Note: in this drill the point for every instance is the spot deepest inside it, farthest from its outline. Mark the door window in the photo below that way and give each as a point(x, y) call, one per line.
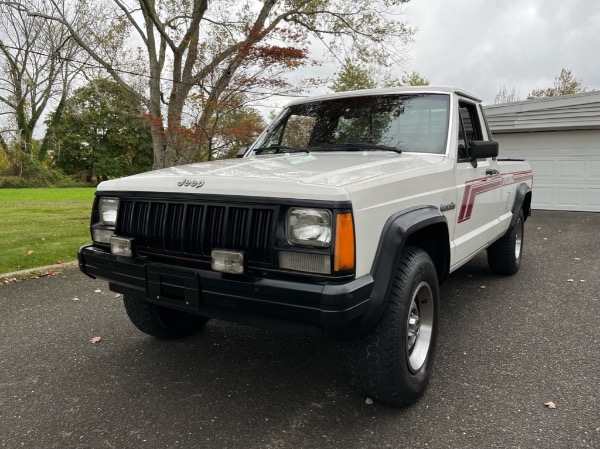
point(469, 129)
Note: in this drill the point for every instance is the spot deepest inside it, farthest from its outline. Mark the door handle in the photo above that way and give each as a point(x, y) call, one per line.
point(491, 171)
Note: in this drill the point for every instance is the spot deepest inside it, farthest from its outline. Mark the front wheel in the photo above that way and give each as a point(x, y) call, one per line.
point(392, 363)
point(162, 322)
point(504, 255)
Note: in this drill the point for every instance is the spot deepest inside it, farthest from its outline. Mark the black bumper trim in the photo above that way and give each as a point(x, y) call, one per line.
point(309, 308)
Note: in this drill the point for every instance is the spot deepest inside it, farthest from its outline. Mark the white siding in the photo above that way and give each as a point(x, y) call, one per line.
point(560, 137)
point(566, 166)
point(579, 111)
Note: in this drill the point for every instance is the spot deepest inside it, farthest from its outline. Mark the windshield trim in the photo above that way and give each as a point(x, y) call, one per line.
point(449, 127)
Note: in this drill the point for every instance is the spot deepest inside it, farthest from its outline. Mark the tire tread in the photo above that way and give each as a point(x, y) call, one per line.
point(147, 318)
point(501, 254)
point(375, 362)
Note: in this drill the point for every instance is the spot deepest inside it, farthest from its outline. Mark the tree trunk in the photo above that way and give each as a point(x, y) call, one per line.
point(157, 130)
point(158, 147)
point(56, 120)
point(26, 139)
point(3, 144)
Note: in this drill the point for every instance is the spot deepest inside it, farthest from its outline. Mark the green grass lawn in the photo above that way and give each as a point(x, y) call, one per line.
point(53, 223)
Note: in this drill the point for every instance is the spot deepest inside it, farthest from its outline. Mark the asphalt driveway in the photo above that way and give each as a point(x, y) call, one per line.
point(507, 346)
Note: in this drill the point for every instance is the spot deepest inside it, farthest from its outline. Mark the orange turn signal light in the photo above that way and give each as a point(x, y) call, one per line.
point(344, 243)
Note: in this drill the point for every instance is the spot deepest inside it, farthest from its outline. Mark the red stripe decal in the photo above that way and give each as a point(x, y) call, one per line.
point(478, 186)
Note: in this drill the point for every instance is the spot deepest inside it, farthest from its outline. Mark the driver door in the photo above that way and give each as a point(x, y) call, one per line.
point(478, 186)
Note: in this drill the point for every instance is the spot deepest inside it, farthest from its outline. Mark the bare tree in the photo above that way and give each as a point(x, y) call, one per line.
point(36, 69)
point(200, 40)
point(504, 96)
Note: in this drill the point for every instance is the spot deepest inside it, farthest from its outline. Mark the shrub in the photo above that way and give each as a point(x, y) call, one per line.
point(13, 182)
point(4, 163)
point(70, 182)
point(17, 182)
point(20, 170)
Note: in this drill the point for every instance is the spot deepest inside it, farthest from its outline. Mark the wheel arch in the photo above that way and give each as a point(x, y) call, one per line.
point(424, 227)
point(522, 201)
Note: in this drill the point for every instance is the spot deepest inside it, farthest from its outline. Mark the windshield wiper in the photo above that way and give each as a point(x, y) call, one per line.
point(276, 149)
point(355, 146)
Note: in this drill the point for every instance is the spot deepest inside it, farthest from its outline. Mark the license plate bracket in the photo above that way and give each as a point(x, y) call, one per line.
point(176, 287)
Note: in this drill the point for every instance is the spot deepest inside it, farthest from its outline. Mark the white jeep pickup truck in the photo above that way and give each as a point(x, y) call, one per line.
point(341, 221)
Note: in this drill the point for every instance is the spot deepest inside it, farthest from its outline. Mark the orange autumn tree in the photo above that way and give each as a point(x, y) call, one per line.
point(227, 121)
point(232, 126)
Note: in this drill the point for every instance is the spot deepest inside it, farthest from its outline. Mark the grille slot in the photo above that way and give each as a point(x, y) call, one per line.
point(194, 229)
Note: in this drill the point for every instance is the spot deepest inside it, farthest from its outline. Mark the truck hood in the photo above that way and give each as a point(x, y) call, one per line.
point(311, 174)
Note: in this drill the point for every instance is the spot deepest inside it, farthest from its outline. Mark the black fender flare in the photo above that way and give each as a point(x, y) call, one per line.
point(520, 197)
point(396, 231)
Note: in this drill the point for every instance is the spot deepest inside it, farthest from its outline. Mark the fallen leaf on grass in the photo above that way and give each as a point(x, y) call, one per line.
point(369, 401)
point(58, 262)
point(30, 252)
point(97, 291)
point(551, 405)
point(96, 340)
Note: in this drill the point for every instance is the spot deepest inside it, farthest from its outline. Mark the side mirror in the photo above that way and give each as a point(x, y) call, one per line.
point(482, 149)
point(242, 151)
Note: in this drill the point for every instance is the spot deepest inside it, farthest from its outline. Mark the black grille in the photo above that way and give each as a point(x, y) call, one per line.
point(194, 229)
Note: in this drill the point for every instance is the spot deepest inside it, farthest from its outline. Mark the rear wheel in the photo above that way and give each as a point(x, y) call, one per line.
point(393, 362)
point(162, 322)
point(504, 255)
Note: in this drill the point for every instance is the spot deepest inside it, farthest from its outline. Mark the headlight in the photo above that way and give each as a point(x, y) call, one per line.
point(309, 227)
point(107, 208)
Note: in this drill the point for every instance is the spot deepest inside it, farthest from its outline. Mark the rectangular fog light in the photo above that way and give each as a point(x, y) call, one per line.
point(102, 235)
point(121, 246)
point(227, 261)
point(311, 263)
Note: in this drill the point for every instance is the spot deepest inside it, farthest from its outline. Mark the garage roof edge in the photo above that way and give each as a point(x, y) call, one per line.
point(565, 112)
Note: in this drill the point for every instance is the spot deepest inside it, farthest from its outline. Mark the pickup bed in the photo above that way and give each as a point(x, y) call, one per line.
point(341, 221)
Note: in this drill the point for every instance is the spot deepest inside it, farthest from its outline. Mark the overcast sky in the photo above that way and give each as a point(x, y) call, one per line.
point(480, 45)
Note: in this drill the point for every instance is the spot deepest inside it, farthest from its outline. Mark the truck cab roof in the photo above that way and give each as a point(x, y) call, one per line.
point(389, 91)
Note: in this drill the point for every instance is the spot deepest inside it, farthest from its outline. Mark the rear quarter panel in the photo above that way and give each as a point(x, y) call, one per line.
point(513, 174)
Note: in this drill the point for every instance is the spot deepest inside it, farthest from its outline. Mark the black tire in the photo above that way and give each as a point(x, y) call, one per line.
point(382, 363)
point(162, 322)
point(504, 255)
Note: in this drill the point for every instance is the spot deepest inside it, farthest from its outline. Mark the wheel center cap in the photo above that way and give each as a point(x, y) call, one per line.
point(414, 325)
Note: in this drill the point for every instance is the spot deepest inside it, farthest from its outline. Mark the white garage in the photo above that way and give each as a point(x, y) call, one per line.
point(560, 136)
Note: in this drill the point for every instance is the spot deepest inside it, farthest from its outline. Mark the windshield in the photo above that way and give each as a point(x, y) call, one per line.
point(413, 123)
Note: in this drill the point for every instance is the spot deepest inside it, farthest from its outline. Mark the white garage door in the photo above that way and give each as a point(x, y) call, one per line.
point(566, 167)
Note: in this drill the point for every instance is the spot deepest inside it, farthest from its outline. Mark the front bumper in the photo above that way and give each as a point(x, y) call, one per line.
point(329, 309)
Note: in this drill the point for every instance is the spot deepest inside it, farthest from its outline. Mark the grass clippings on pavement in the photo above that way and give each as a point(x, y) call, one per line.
point(42, 226)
